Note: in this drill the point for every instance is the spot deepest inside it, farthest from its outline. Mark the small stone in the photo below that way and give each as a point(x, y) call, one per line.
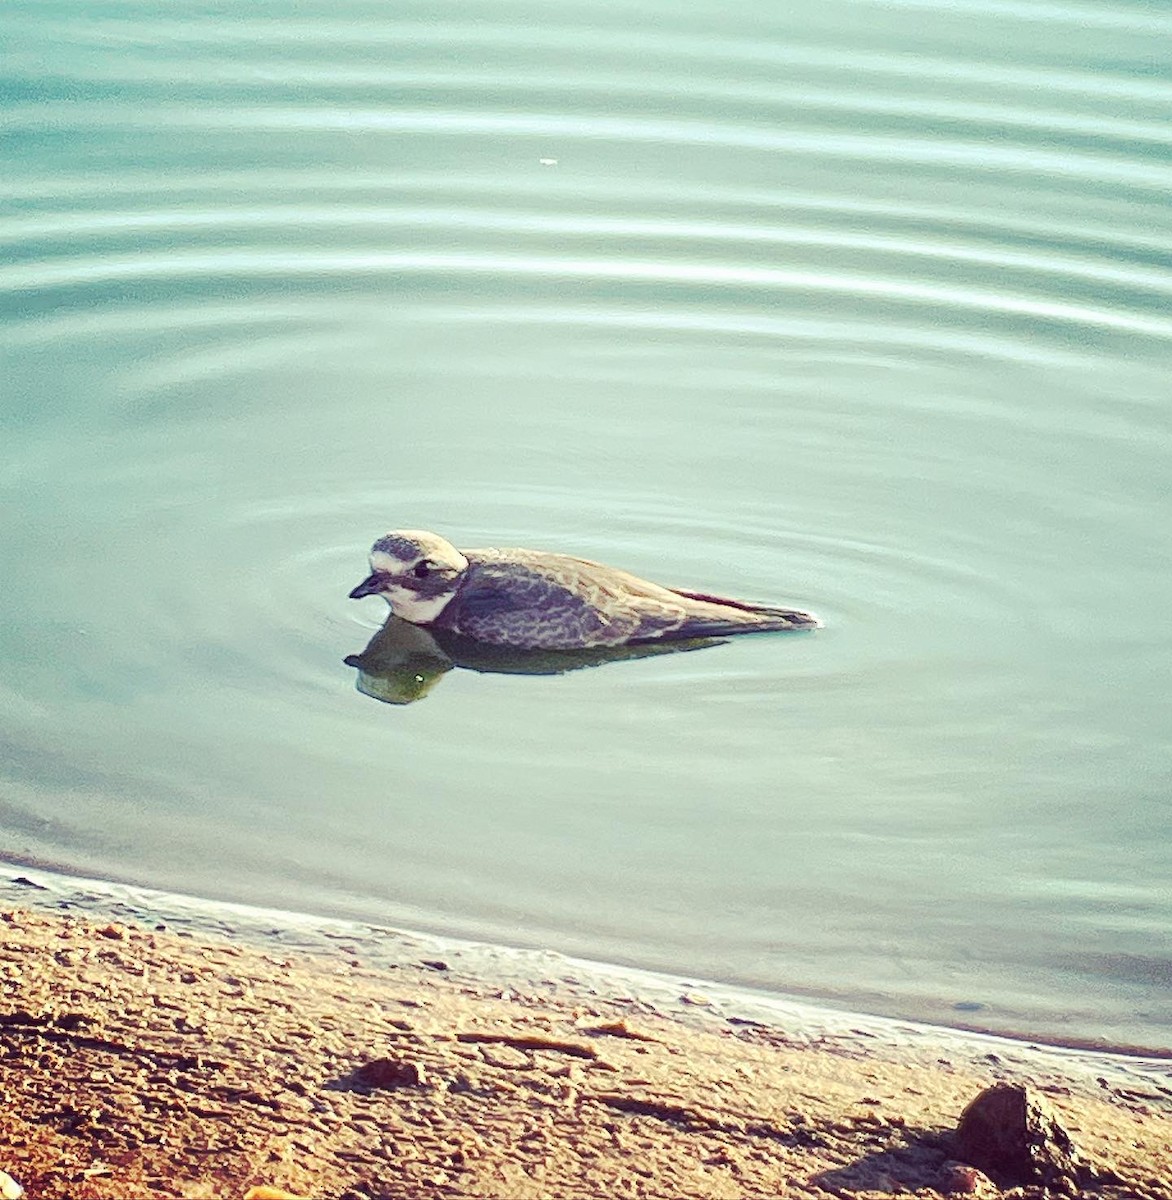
point(434, 964)
point(264, 1192)
point(9, 1188)
point(392, 1073)
point(1012, 1135)
point(114, 932)
point(959, 1179)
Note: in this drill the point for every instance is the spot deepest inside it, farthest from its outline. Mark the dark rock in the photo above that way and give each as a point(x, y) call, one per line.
point(72, 1020)
point(1012, 1135)
point(25, 881)
point(434, 964)
point(391, 1073)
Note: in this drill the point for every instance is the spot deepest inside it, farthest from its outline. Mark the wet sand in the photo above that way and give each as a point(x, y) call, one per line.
point(144, 1060)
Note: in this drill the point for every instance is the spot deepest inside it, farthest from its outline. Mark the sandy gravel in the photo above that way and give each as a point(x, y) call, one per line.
point(141, 1062)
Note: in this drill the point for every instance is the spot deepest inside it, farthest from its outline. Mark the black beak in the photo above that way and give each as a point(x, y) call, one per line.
point(372, 585)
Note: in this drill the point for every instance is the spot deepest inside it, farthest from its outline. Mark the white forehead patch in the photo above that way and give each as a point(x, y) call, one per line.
point(384, 563)
point(426, 545)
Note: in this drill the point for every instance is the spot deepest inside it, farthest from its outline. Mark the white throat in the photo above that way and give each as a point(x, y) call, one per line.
point(419, 610)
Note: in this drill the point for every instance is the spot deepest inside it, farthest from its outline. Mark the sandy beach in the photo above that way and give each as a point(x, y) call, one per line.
point(143, 1060)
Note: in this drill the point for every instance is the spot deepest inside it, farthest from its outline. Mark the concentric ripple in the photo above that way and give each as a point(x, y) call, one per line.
point(864, 308)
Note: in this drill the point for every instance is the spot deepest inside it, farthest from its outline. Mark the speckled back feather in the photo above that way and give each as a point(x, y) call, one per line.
point(531, 599)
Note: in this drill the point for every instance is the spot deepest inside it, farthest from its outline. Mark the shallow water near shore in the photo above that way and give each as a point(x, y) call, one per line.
point(864, 311)
point(1130, 1071)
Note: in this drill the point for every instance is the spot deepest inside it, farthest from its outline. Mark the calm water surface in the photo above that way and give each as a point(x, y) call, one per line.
point(863, 308)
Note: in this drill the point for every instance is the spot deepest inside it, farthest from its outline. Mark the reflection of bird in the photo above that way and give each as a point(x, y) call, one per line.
point(533, 600)
point(403, 662)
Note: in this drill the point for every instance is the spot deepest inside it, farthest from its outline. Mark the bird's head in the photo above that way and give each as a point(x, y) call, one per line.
point(415, 572)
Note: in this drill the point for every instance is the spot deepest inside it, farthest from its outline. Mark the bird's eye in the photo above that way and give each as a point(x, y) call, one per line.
point(423, 569)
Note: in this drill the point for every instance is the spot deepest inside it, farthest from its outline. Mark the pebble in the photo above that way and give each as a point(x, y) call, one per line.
point(959, 1179)
point(9, 1188)
point(392, 1073)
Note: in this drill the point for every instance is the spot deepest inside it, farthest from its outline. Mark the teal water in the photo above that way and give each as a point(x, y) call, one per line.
point(863, 309)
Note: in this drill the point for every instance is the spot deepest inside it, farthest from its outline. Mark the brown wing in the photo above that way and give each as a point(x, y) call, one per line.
point(552, 601)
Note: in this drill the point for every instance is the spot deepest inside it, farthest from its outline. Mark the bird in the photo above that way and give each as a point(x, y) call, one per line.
point(535, 600)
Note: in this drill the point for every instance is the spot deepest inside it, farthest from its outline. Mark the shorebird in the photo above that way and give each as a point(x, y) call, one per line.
point(533, 600)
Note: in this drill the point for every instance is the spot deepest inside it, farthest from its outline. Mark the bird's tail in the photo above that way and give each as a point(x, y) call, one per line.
point(721, 616)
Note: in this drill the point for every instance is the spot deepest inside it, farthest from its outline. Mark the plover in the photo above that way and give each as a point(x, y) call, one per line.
point(539, 601)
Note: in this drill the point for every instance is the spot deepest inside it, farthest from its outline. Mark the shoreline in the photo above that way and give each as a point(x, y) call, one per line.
point(160, 1046)
point(27, 882)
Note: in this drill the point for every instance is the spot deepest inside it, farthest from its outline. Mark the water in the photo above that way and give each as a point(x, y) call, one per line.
point(863, 309)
